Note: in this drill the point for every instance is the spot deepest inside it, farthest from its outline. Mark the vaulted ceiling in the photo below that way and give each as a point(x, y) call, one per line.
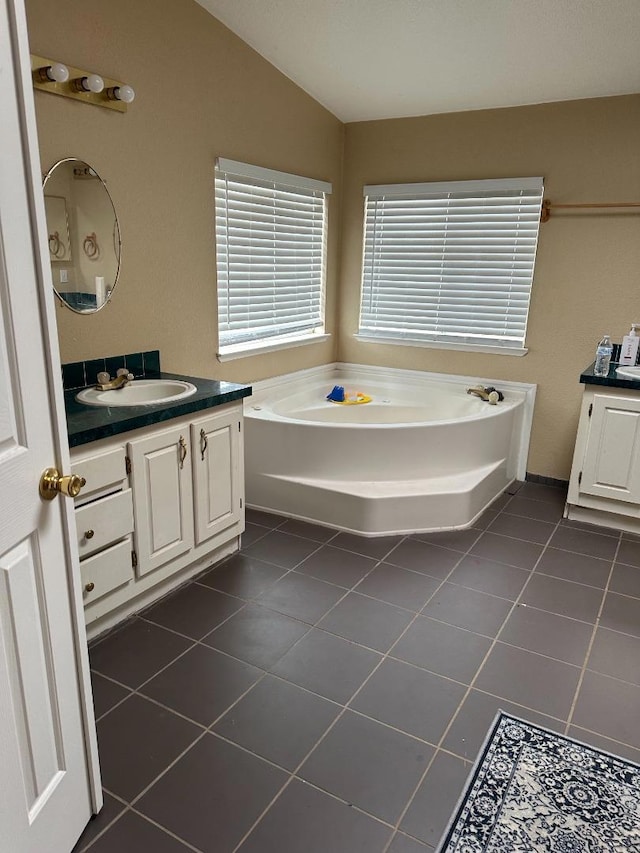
point(373, 59)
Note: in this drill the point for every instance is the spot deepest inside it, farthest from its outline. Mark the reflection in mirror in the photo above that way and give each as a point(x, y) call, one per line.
point(84, 236)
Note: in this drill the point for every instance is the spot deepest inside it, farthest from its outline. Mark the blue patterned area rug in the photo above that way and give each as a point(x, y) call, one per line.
point(534, 791)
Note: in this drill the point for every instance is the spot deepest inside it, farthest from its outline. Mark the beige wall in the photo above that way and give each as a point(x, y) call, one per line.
point(587, 278)
point(200, 93)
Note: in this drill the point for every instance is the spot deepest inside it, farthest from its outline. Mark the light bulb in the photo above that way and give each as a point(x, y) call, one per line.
point(91, 83)
point(121, 93)
point(125, 94)
point(54, 73)
point(57, 72)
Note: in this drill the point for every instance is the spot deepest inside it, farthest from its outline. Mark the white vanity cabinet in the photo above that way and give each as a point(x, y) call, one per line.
point(605, 477)
point(161, 503)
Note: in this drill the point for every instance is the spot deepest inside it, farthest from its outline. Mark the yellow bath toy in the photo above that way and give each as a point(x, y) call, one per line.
point(353, 400)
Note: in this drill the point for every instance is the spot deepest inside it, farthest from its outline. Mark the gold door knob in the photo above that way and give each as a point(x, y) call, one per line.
point(89, 534)
point(53, 482)
point(90, 587)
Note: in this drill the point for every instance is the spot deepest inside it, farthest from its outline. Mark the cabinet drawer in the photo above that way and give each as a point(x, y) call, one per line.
point(106, 571)
point(101, 471)
point(106, 520)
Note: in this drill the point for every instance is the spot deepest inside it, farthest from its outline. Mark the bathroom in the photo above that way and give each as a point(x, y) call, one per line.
point(201, 92)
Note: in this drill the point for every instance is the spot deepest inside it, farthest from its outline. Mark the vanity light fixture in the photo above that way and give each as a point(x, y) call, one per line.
point(58, 79)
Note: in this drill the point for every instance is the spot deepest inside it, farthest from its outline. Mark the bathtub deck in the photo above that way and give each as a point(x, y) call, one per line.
point(383, 507)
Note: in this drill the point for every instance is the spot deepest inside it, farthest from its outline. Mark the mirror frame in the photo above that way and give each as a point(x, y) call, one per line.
point(117, 241)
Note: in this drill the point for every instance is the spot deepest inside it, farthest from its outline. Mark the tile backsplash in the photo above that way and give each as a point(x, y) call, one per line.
point(79, 374)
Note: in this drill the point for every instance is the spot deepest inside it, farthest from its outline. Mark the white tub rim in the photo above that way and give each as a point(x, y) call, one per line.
point(333, 372)
point(275, 410)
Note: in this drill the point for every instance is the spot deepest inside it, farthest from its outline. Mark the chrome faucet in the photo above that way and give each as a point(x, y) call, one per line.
point(489, 395)
point(106, 383)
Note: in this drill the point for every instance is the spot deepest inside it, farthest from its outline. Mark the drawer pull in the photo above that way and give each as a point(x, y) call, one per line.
point(89, 534)
point(90, 587)
point(183, 451)
point(204, 443)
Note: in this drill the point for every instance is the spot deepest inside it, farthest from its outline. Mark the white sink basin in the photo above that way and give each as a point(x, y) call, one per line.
point(628, 372)
point(140, 392)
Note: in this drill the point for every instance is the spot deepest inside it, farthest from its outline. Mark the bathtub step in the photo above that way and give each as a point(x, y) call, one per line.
point(382, 507)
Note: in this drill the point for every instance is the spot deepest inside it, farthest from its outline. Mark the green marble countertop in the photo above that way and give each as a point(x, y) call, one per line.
point(611, 380)
point(90, 423)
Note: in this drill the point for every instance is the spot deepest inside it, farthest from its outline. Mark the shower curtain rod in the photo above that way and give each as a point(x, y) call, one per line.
point(548, 206)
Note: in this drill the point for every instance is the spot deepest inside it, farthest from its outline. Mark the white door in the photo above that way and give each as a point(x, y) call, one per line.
point(611, 466)
point(47, 733)
point(162, 497)
point(217, 473)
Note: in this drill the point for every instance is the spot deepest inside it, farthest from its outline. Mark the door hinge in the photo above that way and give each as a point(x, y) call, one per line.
point(580, 477)
point(240, 503)
point(590, 409)
point(127, 465)
point(134, 559)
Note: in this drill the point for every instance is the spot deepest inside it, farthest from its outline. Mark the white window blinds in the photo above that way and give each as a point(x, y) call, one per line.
point(270, 242)
point(450, 262)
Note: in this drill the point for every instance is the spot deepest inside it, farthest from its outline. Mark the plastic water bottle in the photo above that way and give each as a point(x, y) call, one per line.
point(603, 357)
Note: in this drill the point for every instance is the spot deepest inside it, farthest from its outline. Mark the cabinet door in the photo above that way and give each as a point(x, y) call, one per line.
point(217, 473)
point(162, 497)
point(610, 467)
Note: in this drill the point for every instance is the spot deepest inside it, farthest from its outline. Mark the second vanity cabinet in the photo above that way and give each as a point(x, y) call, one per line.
point(159, 502)
point(605, 477)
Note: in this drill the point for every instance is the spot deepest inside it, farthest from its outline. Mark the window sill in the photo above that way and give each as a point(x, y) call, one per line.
point(260, 347)
point(406, 342)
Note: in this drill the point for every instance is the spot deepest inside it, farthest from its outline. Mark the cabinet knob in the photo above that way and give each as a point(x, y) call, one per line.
point(89, 534)
point(90, 587)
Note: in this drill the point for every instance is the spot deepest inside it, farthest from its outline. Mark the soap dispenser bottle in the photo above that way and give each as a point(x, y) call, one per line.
point(630, 344)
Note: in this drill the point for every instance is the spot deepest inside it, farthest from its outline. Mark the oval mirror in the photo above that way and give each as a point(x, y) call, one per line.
point(84, 236)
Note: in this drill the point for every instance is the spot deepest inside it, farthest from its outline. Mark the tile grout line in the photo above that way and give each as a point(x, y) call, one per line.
point(207, 729)
point(239, 610)
point(104, 829)
point(193, 643)
point(270, 672)
point(468, 691)
point(338, 716)
point(129, 808)
point(344, 708)
point(353, 588)
point(137, 690)
point(164, 829)
point(386, 656)
point(383, 658)
point(592, 640)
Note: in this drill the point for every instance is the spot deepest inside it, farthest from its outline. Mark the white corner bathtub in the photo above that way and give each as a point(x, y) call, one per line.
point(422, 455)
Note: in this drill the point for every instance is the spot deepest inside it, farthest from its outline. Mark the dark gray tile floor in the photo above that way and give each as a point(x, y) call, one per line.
point(324, 693)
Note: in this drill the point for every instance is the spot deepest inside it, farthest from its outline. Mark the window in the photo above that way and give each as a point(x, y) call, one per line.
point(270, 241)
point(450, 263)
